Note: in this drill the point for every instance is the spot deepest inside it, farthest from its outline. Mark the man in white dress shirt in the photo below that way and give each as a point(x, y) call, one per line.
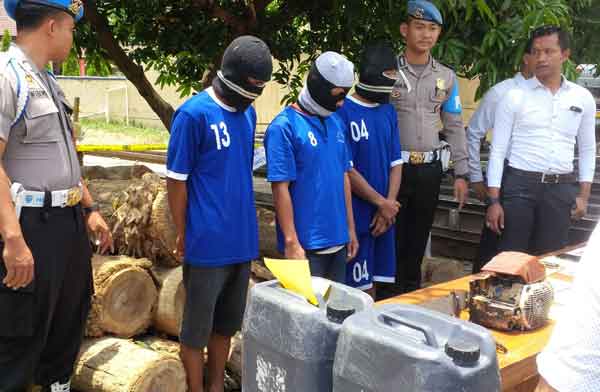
point(541, 122)
point(571, 360)
point(481, 122)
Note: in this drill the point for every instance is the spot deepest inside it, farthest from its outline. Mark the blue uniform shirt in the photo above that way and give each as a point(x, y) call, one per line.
point(374, 144)
point(211, 147)
point(311, 154)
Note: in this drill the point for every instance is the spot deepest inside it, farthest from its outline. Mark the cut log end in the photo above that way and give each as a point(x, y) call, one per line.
point(111, 364)
point(127, 302)
point(124, 298)
point(171, 300)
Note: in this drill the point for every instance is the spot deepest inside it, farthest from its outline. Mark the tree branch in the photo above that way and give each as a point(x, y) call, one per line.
point(240, 25)
point(134, 73)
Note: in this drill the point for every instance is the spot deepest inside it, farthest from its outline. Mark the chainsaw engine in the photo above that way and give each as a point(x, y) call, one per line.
point(508, 302)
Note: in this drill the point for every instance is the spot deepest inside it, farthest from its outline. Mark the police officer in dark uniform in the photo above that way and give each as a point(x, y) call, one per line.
point(45, 209)
point(425, 93)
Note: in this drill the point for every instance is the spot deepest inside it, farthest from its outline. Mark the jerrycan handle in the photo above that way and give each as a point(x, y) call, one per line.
point(386, 317)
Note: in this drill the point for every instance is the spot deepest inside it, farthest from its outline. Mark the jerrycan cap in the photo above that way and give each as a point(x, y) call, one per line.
point(464, 352)
point(339, 310)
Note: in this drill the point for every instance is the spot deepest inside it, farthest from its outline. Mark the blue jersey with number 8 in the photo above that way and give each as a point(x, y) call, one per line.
point(311, 154)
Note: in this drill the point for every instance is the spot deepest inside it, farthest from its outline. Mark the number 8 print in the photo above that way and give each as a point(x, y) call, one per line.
point(313, 139)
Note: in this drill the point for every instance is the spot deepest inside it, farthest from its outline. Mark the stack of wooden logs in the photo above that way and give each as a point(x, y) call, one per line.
point(139, 296)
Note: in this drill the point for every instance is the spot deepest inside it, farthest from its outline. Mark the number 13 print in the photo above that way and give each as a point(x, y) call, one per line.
point(224, 141)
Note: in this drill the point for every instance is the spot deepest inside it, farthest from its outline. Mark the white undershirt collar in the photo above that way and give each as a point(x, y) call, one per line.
point(211, 93)
point(362, 103)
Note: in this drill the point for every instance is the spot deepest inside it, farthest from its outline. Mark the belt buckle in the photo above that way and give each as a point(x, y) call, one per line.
point(73, 197)
point(416, 158)
point(545, 181)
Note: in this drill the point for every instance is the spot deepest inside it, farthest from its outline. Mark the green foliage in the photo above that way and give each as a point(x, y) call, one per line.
point(586, 27)
point(184, 40)
point(6, 40)
point(71, 65)
point(96, 65)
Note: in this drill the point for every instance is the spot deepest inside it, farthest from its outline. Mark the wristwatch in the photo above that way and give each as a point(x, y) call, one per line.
point(491, 201)
point(90, 209)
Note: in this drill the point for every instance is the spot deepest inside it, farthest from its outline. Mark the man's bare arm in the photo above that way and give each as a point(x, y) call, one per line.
point(16, 255)
point(395, 181)
point(284, 210)
point(177, 194)
point(361, 188)
point(353, 244)
point(9, 224)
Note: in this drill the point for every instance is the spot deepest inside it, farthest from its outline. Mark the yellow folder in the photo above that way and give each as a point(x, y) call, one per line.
point(293, 275)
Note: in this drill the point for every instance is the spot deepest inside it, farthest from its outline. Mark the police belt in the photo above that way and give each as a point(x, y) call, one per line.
point(62, 198)
point(418, 158)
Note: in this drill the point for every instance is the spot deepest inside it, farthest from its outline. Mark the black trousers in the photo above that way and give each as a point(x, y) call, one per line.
point(537, 216)
point(419, 198)
point(488, 248)
point(41, 326)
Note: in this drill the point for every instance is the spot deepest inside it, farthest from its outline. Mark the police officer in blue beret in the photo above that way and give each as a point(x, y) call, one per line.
point(425, 94)
point(45, 208)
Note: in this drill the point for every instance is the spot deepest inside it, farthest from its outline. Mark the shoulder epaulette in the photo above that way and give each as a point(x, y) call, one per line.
point(10, 64)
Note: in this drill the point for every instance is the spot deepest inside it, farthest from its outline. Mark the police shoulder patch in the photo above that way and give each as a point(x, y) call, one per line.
point(453, 104)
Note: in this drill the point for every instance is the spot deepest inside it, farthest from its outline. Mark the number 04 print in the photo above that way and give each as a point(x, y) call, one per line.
point(360, 272)
point(224, 141)
point(359, 132)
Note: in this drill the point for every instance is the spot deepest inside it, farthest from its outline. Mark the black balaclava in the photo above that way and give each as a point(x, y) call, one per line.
point(373, 84)
point(246, 57)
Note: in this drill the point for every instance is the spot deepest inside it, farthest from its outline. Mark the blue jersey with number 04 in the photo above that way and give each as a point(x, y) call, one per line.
point(374, 144)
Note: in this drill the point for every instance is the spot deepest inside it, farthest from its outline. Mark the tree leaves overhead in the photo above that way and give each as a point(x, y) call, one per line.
point(184, 39)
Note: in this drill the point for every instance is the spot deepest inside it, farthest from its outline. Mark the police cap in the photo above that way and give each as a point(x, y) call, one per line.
point(424, 10)
point(72, 7)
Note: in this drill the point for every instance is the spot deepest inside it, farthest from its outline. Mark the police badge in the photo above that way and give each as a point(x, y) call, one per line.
point(440, 88)
point(418, 13)
point(75, 6)
point(30, 81)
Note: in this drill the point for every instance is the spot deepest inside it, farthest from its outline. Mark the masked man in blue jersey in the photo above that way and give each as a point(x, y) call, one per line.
point(209, 170)
point(308, 165)
point(374, 143)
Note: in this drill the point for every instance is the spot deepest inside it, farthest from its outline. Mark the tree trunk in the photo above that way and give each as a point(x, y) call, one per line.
point(108, 183)
point(171, 300)
point(162, 346)
point(124, 298)
point(134, 73)
point(234, 362)
point(266, 233)
point(260, 272)
point(163, 230)
point(111, 365)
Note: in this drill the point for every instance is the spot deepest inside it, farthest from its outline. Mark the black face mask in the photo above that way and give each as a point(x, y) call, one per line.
point(246, 57)
point(320, 90)
point(378, 73)
point(230, 96)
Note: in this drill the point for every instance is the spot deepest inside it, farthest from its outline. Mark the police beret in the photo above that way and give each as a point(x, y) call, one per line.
point(424, 10)
point(72, 7)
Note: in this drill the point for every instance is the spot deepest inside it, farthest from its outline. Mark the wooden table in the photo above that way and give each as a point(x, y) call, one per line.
point(517, 367)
